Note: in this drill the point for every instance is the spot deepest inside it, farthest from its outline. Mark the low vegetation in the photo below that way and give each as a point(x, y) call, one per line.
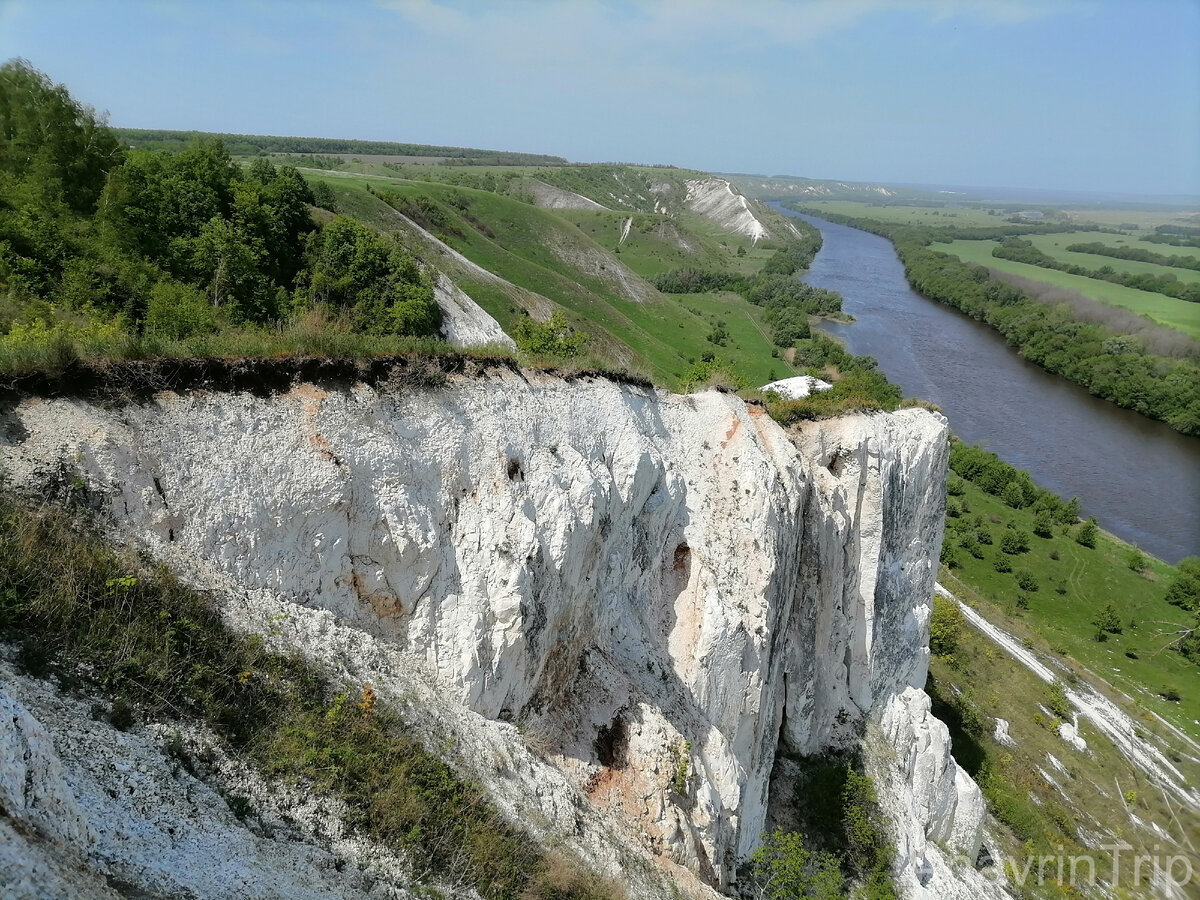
point(836, 844)
point(1020, 250)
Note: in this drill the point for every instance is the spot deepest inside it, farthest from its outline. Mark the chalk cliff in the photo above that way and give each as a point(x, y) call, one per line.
point(622, 603)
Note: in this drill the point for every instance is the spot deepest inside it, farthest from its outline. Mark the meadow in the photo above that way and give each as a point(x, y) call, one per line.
point(1165, 310)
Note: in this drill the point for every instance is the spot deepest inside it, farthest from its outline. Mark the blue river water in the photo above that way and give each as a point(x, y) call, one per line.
point(1139, 477)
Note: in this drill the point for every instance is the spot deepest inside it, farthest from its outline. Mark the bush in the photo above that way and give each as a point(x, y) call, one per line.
point(784, 869)
point(178, 311)
point(1107, 622)
point(554, 338)
point(1086, 535)
point(945, 627)
point(1026, 580)
point(1184, 590)
point(1135, 560)
point(1002, 565)
point(1014, 541)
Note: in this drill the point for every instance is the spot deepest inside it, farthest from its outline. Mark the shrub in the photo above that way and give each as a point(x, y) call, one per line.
point(1014, 542)
point(1135, 560)
point(1107, 622)
point(1002, 565)
point(554, 338)
point(178, 311)
point(1086, 535)
point(1026, 580)
point(784, 869)
point(945, 627)
point(1184, 590)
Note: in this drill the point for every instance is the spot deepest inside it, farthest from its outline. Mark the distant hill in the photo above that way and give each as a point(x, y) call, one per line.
point(265, 144)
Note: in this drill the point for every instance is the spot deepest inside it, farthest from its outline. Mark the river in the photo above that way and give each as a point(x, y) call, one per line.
point(1140, 478)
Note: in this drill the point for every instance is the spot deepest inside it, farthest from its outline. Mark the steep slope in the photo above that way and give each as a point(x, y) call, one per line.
point(632, 578)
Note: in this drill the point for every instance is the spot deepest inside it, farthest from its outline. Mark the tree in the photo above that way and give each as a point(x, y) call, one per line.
point(1107, 622)
point(51, 140)
point(945, 626)
point(1086, 536)
point(1184, 590)
point(784, 869)
point(1043, 525)
point(1014, 541)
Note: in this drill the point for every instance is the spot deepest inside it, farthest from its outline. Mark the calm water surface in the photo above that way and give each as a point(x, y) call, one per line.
point(1139, 477)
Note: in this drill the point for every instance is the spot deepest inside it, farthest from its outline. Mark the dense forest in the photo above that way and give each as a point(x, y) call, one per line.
point(103, 244)
point(1111, 365)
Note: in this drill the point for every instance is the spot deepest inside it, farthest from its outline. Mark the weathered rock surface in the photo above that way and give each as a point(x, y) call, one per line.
point(646, 584)
point(90, 811)
point(716, 200)
point(464, 322)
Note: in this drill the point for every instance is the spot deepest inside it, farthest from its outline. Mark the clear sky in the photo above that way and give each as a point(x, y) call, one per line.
point(1057, 94)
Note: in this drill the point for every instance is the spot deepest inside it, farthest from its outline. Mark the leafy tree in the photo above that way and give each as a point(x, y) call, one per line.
point(1087, 533)
point(1014, 541)
point(945, 627)
point(178, 311)
point(1184, 590)
point(50, 140)
point(1043, 523)
point(1107, 622)
point(784, 869)
point(374, 279)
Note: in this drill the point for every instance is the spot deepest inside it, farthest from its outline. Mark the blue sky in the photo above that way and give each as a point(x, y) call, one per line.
point(1055, 94)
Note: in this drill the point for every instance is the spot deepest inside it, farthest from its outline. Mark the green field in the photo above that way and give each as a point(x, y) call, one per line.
point(1055, 245)
point(1071, 590)
point(951, 214)
point(1165, 310)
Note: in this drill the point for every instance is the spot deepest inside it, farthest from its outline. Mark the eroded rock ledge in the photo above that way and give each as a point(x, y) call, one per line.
point(621, 579)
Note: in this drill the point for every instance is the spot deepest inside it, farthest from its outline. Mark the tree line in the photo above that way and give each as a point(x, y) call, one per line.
point(1111, 365)
point(265, 144)
point(1138, 254)
point(1023, 251)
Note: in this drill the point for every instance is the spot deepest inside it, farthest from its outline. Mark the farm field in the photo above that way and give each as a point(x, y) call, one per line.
point(1165, 310)
point(1055, 245)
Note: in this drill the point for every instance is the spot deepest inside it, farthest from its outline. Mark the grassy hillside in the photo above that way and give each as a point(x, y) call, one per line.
point(570, 260)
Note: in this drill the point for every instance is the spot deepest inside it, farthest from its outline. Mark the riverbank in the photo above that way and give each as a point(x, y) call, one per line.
point(1136, 475)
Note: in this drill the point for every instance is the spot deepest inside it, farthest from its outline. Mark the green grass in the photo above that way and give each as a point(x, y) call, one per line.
point(1055, 245)
point(948, 215)
point(980, 683)
point(1089, 579)
point(666, 334)
point(1178, 314)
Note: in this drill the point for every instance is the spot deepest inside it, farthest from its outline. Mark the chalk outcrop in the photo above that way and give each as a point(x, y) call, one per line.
point(716, 200)
point(464, 322)
point(622, 602)
point(797, 387)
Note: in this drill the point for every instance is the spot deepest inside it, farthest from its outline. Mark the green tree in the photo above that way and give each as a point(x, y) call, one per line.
point(1107, 622)
point(51, 140)
point(1184, 590)
point(945, 626)
point(1014, 541)
point(784, 869)
point(1087, 533)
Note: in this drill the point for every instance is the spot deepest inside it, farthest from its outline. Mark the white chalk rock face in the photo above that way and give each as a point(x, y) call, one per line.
point(717, 201)
point(796, 388)
point(663, 588)
point(464, 322)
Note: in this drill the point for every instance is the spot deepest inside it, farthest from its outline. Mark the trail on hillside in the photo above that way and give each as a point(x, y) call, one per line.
point(1108, 718)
